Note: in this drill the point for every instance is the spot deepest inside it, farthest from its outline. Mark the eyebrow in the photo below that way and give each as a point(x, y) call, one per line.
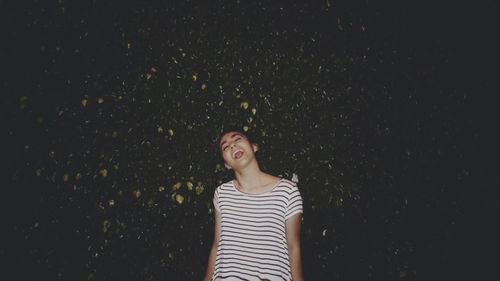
point(232, 136)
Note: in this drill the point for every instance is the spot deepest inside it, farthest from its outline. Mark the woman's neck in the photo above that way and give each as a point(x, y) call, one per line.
point(250, 178)
point(253, 180)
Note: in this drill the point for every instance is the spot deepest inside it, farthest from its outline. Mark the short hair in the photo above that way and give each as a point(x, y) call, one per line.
point(248, 135)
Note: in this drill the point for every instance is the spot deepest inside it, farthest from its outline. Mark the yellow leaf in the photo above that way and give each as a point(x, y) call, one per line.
point(177, 185)
point(245, 128)
point(179, 198)
point(111, 203)
point(84, 102)
point(170, 132)
point(189, 185)
point(103, 172)
point(244, 105)
point(105, 226)
point(160, 130)
point(195, 77)
point(254, 110)
point(203, 87)
point(137, 193)
point(199, 189)
point(161, 188)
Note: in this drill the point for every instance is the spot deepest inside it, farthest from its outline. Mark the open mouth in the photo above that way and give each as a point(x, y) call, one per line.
point(238, 154)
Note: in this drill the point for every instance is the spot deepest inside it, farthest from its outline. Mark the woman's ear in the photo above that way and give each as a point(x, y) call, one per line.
point(255, 147)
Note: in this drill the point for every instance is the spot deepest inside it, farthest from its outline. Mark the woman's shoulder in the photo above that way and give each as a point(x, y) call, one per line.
point(224, 185)
point(280, 180)
point(288, 184)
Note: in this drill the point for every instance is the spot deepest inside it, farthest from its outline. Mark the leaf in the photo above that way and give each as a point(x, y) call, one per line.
point(179, 198)
point(105, 226)
point(177, 185)
point(103, 172)
point(199, 188)
point(137, 193)
point(244, 105)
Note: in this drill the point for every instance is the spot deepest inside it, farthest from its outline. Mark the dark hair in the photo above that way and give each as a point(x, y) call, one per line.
point(248, 135)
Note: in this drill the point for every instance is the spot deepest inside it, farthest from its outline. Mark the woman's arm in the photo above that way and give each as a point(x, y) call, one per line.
point(213, 252)
point(293, 241)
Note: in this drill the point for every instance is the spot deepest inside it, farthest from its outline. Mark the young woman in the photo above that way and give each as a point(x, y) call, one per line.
point(257, 220)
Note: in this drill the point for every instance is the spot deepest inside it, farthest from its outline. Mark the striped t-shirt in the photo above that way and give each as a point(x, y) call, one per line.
point(252, 243)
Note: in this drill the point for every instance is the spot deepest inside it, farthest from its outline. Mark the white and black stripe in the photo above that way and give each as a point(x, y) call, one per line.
point(252, 243)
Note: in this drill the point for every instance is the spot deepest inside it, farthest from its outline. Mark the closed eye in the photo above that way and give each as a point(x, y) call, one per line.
point(237, 139)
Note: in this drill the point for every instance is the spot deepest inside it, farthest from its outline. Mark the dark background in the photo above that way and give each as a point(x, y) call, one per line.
point(383, 109)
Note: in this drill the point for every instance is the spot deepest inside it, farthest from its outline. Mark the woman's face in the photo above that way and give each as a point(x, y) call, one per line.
point(236, 149)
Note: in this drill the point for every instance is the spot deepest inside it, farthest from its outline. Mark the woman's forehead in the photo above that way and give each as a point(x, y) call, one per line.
point(229, 135)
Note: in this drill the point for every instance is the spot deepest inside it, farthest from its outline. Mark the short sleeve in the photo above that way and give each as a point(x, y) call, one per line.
point(216, 199)
point(294, 204)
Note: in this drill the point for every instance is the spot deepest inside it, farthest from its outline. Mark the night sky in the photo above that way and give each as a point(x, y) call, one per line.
point(382, 110)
